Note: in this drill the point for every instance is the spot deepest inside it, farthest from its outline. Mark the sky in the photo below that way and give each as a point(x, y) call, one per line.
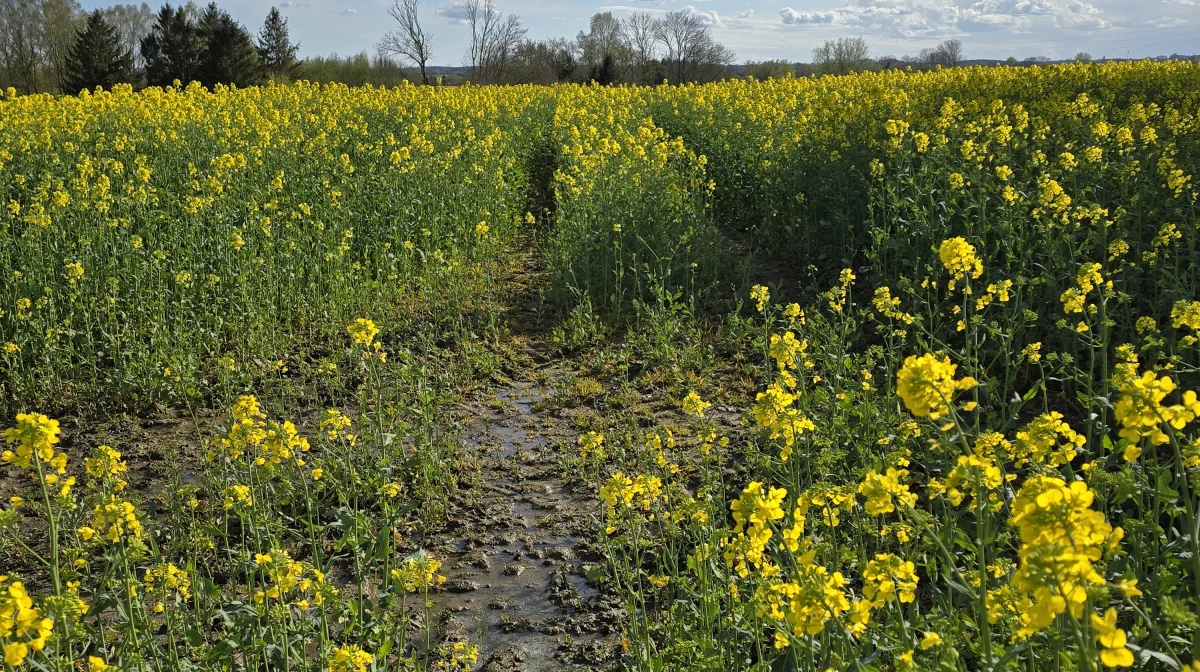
point(783, 29)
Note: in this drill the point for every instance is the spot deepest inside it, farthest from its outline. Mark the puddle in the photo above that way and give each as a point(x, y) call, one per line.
point(523, 397)
point(512, 559)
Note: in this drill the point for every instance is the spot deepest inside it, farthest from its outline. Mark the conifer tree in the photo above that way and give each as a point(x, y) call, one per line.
point(275, 49)
point(172, 49)
point(98, 58)
point(228, 55)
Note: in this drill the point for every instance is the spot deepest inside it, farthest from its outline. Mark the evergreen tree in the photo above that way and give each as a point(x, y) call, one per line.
point(228, 55)
point(604, 72)
point(275, 49)
point(172, 49)
point(98, 57)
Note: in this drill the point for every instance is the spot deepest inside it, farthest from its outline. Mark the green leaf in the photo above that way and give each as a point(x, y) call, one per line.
point(1163, 486)
point(1146, 654)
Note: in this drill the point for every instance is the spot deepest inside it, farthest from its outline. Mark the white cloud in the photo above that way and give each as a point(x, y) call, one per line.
point(933, 19)
point(707, 18)
point(348, 10)
point(892, 18)
point(626, 9)
point(794, 18)
point(1080, 15)
point(748, 14)
point(904, 18)
point(1014, 7)
point(990, 15)
point(972, 21)
point(455, 12)
point(1167, 22)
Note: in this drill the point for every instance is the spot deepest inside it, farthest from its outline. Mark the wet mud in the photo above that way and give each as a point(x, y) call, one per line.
point(517, 548)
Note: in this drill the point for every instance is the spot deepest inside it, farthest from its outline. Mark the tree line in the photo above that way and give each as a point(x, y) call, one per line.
point(677, 47)
point(53, 46)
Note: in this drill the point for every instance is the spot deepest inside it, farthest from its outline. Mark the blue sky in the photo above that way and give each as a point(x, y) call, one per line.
point(761, 29)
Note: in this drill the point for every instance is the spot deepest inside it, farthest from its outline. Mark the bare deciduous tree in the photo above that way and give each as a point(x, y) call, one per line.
point(494, 39)
point(20, 54)
point(59, 21)
point(639, 33)
point(842, 57)
point(132, 23)
point(544, 62)
point(691, 52)
point(409, 39)
point(36, 37)
point(949, 53)
point(602, 48)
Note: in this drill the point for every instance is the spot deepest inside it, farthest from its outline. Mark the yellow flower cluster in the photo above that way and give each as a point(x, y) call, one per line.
point(761, 296)
point(978, 471)
point(349, 658)
point(272, 443)
point(1047, 440)
point(280, 442)
point(1061, 538)
point(883, 492)
point(927, 385)
point(810, 597)
point(363, 332)
point(335, 423)
point(1186, 314)
point(889, 306)
point(591, 444)
point(888, 578)
point(774, 410)
point(1112, 641)
point(238, 495)
point(833, 501)
point(116, 519)
point(621, 493)
point(960, 259)
point(418, 573)
point(1140, 411)
point(1074, 299)
point(753, 514)
point(996, 291)
point(35, 435)
point(23, 627)
point(168, 578)
point(839, 294)
point(458, 656)
point(756, 507)
point(694, 406)
point(291, 582)
point(786, 350)
point(104, 462)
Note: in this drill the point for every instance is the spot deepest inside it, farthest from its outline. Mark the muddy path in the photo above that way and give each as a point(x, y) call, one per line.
point(517, 545)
